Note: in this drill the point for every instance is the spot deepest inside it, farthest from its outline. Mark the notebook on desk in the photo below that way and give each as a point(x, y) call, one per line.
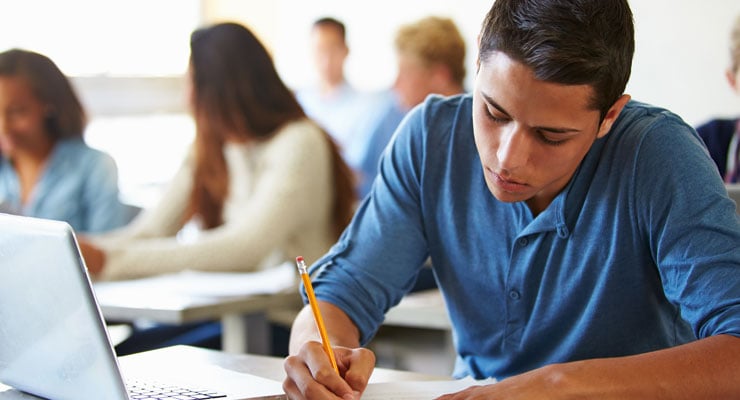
point(53, 339)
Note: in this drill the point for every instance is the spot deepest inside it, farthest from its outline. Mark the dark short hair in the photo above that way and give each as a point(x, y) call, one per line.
point(570, 42)
point(329, 22)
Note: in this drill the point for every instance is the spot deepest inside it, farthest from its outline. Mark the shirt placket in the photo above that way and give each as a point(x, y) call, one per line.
point(515, 304)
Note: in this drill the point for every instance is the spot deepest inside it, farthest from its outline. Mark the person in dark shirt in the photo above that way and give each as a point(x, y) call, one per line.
point(722, 135)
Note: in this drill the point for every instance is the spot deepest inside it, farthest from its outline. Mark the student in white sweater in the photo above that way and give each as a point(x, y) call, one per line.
point(261, 185)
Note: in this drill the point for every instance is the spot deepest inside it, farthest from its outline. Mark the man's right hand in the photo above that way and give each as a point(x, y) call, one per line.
point(311, 376)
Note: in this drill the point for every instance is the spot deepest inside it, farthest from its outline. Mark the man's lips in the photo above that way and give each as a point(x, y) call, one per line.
point(508, 184)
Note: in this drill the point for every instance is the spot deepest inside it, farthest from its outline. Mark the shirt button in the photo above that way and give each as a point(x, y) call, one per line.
point(523, 241)
point(514, 295)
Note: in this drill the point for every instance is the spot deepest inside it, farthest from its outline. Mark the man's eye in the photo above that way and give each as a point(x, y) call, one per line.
point(544, 139)
point(494, 118)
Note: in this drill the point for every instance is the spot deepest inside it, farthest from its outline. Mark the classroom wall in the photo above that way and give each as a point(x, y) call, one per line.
point(127, 59)
point(681, 45)
point(682, 51)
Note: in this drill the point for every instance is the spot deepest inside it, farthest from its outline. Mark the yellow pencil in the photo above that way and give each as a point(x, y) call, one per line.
point(316, 312)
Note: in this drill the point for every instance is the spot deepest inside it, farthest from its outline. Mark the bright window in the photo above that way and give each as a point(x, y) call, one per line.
point(126, 60)
point(92, 37)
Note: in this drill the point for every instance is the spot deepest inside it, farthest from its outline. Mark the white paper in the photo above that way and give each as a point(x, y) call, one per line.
point(206, 284)
point(418, 390)
point(224, 284)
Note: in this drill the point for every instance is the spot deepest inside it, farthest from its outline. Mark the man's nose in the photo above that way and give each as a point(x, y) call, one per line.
point(514, 148)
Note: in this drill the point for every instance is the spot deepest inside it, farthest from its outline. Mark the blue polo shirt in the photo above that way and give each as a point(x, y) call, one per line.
point(641, 250)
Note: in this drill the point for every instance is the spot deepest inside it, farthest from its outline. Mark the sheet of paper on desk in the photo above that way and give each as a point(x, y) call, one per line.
point(272, 280)
point(418, 390)
point(209, 284)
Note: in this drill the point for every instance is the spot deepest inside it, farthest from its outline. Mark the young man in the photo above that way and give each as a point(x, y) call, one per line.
point(332, 101)
point(584, 243)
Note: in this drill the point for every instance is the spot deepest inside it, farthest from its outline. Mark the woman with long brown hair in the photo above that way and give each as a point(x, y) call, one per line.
point(261, 185)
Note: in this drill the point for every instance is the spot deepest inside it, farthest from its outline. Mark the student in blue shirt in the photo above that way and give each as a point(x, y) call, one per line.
point(332, 101)
point(46, 169)
point(584, 243)
point(430, 57)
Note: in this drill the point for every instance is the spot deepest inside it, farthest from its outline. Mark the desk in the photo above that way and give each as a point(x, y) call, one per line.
point(420, 337)
point(407, 348)
point(245, 327)
point(425, 309)
point(263, 366)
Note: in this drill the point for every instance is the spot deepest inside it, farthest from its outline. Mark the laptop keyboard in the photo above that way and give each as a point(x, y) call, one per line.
point(152, 391)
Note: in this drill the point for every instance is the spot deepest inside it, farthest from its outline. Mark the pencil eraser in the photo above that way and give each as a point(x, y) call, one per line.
point(299, 259)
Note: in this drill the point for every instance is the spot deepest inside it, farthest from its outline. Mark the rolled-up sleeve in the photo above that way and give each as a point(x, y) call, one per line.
point(378, 257)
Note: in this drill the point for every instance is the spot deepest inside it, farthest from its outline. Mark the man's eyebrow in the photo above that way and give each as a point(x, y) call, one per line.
point(502, 110)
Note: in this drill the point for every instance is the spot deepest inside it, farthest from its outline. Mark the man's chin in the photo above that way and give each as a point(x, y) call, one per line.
point(507, 197)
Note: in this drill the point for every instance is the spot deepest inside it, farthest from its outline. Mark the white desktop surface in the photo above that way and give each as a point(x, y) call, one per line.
point(262, 366)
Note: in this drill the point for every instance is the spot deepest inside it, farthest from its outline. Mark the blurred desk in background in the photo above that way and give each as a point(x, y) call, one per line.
point(425, 309)
point(239, 301)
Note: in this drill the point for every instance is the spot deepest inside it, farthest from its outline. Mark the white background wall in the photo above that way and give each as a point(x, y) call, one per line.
point(682, 52)
point(682, 45)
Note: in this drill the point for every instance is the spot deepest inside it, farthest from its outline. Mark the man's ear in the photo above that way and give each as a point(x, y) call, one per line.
point(612, 114)
point(732, 80)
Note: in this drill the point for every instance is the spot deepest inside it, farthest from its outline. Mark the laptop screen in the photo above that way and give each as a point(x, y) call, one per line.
point(53, 341)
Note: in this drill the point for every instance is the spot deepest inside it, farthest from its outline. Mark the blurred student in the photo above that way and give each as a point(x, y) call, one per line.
point(46, 168)
point(262, 183)
point(332, 101)
point(722, 136)
point(431, 59)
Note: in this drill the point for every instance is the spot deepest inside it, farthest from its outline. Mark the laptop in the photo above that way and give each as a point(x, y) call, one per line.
point(53, 338)
point(733, 189)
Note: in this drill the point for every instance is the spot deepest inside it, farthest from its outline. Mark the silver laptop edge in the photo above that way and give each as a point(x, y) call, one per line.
point(53, 341)
point(53, 338)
